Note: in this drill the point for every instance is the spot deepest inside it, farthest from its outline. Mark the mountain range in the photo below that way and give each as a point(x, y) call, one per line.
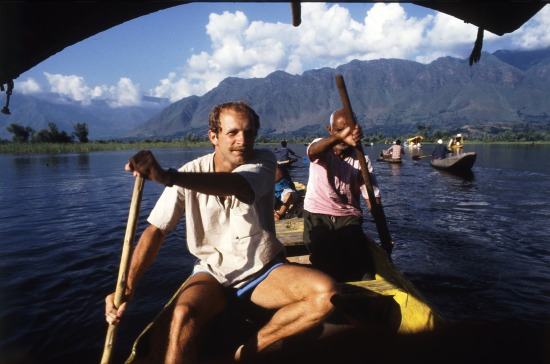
point(390, 96)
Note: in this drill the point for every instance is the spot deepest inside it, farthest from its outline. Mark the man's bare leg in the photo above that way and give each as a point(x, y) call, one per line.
point(301, 297)
point(201, 299)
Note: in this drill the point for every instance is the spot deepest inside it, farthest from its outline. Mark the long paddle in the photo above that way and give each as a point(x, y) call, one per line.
point(129, 238)
point(376, 210)
point(419, 157)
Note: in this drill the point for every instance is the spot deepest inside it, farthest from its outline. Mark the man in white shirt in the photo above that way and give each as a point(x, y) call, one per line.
point(227, 198)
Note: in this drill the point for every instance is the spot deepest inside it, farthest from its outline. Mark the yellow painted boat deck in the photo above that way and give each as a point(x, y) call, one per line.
point(405, 309)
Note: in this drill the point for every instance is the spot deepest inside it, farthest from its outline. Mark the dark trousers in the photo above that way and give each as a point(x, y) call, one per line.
point(338, 246)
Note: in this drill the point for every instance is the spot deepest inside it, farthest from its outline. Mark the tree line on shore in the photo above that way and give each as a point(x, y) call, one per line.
point(52, 135)
point(25, 134)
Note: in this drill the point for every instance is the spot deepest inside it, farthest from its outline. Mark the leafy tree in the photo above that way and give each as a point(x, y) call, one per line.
point(53, 135)
point(81, 132)
point(20, 134)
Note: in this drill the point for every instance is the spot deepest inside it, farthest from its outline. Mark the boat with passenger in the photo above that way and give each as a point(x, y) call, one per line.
point(385, 156)
point(387, 306)
point(456, 143)
point(457, 163)
point(414, 142)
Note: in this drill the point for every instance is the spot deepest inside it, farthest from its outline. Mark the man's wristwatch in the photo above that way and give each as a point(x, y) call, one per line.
point(172, 173)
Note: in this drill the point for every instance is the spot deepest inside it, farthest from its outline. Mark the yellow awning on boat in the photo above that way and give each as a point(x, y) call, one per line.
point(415, 139)
point(456, 142)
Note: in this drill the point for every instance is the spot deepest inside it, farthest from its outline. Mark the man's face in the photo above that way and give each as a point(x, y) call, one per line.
point(235, 141)
point(339, 124)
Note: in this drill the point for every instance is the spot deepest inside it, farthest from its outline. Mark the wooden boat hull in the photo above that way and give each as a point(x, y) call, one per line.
point(389, 305)
point(462, 162)
point(386, 157)
point(389, 160)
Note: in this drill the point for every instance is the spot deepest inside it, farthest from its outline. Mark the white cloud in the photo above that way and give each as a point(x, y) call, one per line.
point(124, 93)
point(327, 37)
point(73, 87)
point(534, 34)
point(28, 87)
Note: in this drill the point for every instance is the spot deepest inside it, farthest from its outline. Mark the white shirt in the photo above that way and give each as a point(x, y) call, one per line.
point(232, 240)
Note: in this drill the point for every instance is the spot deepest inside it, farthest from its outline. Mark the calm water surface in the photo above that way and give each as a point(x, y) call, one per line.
point(476, 246)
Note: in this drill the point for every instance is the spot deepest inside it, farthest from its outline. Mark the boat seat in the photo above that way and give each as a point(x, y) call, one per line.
point(290, 232)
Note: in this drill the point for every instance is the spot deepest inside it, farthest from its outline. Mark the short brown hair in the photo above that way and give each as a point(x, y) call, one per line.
point(214, 123)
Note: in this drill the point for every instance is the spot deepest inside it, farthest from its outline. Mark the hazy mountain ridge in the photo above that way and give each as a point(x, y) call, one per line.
point(104, 122)
point(388, 95)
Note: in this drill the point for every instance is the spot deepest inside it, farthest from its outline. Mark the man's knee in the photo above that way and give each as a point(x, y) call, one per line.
point(194, 315)
point(325, 288)
point(184, 314)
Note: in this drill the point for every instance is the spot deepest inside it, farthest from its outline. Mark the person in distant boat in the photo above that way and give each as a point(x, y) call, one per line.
point(285, 192)
point(440, 151)
point(333, 217)
point(227, 199)
point(396, 150)
point(284, 154)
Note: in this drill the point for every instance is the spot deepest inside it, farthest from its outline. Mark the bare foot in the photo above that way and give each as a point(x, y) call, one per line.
point(244, 354)
point(238, 353)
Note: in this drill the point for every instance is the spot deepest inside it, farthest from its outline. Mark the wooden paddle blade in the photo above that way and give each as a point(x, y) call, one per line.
point(419, 157)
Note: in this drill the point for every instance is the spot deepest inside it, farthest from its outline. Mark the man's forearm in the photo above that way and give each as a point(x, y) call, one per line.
point(217, 184)
point(322, 146)
point(144, 255)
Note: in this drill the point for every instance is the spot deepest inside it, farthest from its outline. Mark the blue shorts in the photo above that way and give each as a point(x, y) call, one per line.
point(246, 290)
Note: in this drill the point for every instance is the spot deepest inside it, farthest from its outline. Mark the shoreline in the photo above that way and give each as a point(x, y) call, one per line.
point(59, 148)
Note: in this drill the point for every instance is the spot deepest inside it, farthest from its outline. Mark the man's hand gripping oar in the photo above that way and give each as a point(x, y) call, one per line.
point(376, 209)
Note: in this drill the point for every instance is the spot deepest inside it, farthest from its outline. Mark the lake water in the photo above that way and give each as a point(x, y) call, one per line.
point(476, 246)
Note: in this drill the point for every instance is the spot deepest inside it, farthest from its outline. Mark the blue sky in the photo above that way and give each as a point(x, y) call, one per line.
point(187, 50)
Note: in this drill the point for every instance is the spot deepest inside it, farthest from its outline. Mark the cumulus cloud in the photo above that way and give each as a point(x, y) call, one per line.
point(28, 87)
point(124, 93)
point(72, 86)
point(327, 37)
point(534, 34)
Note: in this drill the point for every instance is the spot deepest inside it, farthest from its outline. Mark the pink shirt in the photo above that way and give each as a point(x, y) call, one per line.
point(335, 185)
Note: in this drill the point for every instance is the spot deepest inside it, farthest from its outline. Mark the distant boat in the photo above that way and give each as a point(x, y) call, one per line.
point(458, 163)
point(414, 142)
point(386, 157)
point(456, 143)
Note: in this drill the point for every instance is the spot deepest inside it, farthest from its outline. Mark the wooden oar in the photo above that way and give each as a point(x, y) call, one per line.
point(127, 246)
point(376, 210)
point(419, 157)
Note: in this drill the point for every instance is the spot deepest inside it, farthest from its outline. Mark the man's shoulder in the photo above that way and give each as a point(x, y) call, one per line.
point(201, 163)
